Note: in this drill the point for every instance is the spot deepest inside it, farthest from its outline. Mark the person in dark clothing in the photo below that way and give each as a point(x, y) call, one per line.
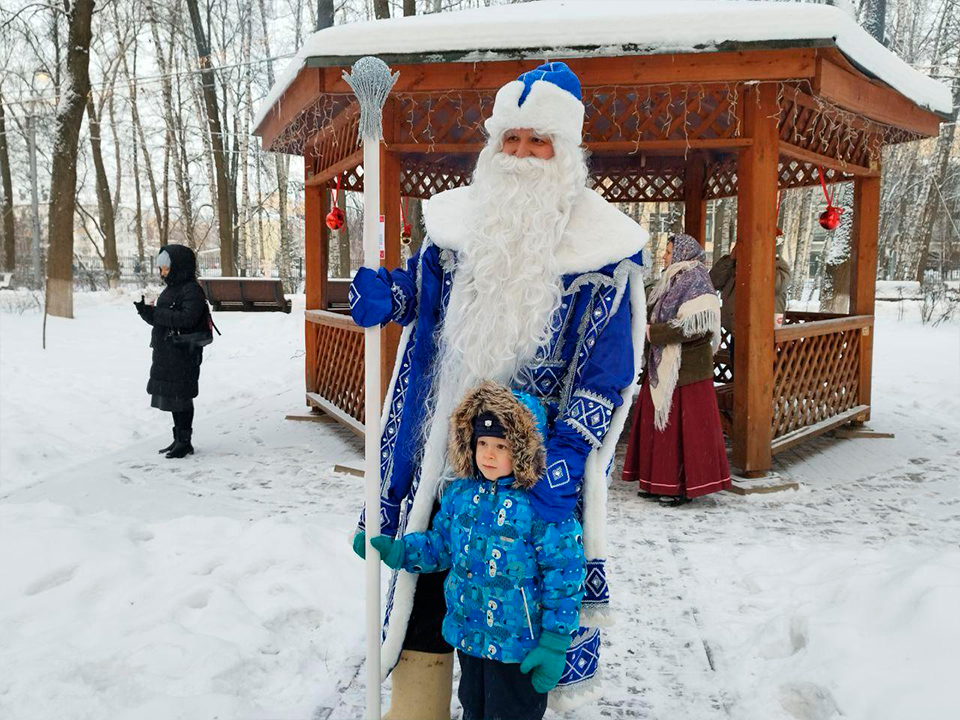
point(175, 370)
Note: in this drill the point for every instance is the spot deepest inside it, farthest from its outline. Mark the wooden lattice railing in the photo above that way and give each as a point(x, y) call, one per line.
point(335, 368)
point(816, 376)
point(722, 359)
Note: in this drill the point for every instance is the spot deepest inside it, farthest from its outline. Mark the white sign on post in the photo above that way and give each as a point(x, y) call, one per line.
point(383, 239)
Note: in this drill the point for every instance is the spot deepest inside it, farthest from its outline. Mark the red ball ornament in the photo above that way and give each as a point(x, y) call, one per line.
point(830, 218)
point(335, 219)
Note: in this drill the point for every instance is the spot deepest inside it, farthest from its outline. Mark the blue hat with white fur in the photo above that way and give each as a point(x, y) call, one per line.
point(546, 100)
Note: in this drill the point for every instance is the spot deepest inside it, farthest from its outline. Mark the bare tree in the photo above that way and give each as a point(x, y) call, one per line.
point(208, 82)
point(325, 14)
point(107, 226)
point(930, 200)
point(6, 203)
point(63, 184)
point(801, 261)
point(174, 146)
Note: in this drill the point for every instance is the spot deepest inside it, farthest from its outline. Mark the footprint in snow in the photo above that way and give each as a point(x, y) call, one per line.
point(51, 581)
point(808, 701)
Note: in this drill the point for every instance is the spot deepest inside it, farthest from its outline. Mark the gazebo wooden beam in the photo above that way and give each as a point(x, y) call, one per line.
point(316, 258)
point(753, 309)
point(303, 91)
point(348, 163)
point(778, 64)
point(807, 156)
point(598, 147)
point(854, 92)
point(694, 206)
point(863, 273)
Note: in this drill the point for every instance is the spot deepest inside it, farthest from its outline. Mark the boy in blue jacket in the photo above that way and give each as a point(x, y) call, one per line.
point(515, 583)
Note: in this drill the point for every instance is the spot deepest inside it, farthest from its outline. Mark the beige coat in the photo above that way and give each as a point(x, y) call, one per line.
point(723, 275)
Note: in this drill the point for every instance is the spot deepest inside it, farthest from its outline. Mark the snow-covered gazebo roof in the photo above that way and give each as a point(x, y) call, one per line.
point(577, 28)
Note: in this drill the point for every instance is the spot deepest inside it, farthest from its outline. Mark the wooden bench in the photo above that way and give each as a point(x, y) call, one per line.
point(245, 294)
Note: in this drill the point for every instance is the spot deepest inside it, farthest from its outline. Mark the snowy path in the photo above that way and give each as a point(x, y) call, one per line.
point(223, 586)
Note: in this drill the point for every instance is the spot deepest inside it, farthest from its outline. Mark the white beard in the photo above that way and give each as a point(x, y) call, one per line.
point(508, 285)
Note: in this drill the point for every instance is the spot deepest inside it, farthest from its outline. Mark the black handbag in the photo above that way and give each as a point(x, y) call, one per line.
point(195, 339)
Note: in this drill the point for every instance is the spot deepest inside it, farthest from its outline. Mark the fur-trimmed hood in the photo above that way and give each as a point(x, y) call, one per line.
point(524, 422)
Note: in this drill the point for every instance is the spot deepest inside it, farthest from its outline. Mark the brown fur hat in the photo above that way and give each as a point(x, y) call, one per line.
point(520, 429)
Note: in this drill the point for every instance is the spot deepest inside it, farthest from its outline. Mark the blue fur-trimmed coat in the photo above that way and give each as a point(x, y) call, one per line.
point(585, 378)
point(512, 574)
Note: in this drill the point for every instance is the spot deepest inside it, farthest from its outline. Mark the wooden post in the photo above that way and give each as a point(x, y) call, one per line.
point(315, 260)
point(390, 209)
point(753, 309)
point(694, 206)
point(863, 273)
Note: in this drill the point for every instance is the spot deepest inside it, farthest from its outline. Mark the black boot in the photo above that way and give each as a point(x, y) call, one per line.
point(169, 447)
point(182, 447)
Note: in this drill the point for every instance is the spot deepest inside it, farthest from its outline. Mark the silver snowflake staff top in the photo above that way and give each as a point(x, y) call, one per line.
point(371, 81)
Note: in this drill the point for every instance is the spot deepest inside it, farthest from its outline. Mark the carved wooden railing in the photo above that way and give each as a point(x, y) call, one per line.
point(816, 376)
point(335, 366)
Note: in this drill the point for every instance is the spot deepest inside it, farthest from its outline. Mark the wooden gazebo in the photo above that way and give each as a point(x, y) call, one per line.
point(720, 114)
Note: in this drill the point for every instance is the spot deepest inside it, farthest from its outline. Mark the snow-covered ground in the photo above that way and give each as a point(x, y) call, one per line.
point(222, 586)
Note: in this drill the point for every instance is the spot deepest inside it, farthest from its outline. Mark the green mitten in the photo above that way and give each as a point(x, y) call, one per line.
point(360, 544)
point(391, 551)
point(547, 660)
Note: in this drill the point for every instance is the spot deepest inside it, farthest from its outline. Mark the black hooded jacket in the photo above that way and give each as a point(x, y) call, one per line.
point(181, 306)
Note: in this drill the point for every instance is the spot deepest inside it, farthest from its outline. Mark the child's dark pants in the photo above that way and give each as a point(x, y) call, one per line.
point(491, 690)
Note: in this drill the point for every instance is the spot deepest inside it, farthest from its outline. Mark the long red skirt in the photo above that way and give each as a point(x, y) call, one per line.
point(688, 457)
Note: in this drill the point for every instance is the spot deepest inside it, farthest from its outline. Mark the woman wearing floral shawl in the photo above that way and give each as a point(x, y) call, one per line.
point(676, 447)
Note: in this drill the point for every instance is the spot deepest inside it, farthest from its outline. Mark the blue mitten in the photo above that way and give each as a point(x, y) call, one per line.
point(371, 299)
point(359, 543)
point(391, 551)
point(547, 661)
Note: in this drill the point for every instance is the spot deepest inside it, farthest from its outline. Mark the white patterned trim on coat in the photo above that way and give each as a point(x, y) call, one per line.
point(590, 413)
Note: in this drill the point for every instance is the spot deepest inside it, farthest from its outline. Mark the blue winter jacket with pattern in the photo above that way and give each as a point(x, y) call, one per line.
point(512, 574)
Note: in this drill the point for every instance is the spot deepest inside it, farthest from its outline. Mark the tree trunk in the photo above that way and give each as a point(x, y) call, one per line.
point(284, 251)
point(409, 7)
point(138, 208)
point(719, 223)
point(874, 18)
point(343, 238)
point(141, 138)
point(930, 200)
point(172, 142)
point(801, 263)
point(6, 204)
point(208, 80)
point(381, 9)
point(196, 94)
point(63, 166)
point(325, 14)
point(104, 200)
point(835, 292)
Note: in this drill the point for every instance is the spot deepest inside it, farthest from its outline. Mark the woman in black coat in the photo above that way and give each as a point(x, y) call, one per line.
point(181, 308)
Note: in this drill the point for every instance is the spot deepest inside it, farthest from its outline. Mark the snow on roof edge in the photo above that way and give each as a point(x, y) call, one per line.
point(611, 25)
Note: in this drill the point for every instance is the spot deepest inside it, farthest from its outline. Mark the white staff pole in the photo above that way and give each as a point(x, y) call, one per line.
point(371, 81)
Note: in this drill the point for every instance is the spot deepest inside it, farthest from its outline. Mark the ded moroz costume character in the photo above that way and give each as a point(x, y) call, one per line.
point(528, 278)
